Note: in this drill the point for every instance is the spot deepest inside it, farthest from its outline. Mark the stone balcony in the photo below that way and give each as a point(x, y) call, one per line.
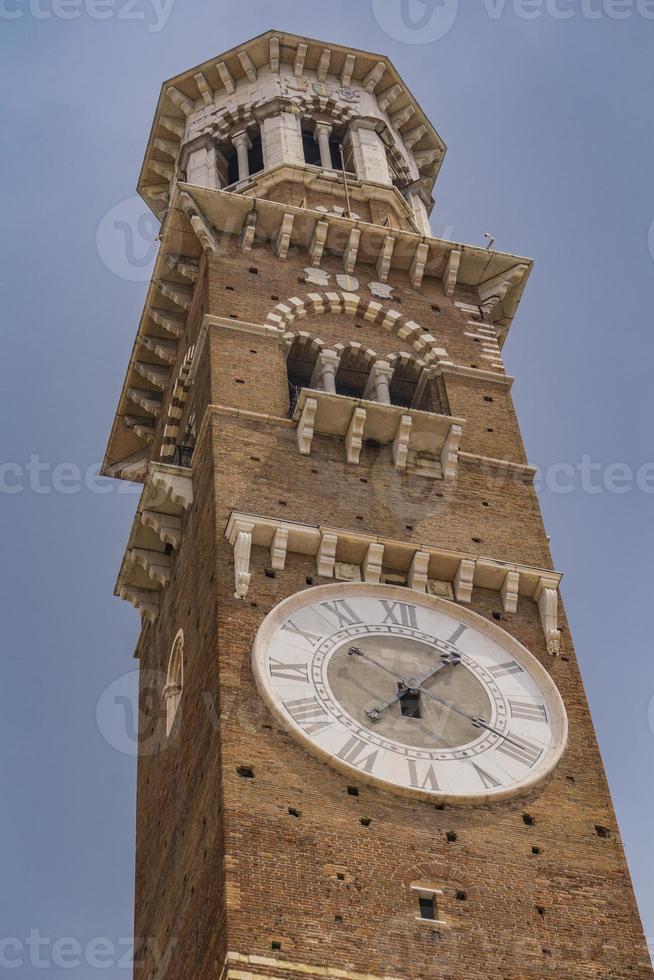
point(423, 442)
point(156, 533)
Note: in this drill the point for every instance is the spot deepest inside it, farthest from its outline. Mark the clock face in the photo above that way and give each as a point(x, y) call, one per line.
point(412, 693)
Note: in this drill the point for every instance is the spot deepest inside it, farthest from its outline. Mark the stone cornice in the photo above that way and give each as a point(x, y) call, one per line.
point(355, 556)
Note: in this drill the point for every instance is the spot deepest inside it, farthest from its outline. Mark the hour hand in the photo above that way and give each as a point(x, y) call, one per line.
point(447, 659)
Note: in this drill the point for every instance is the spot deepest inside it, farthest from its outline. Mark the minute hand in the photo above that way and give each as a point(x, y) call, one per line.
point(477, 722)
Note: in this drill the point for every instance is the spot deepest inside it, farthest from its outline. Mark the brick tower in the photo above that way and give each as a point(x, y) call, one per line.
point(366, 749)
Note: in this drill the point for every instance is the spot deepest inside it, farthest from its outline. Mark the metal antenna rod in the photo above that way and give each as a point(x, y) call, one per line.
point(347, 191)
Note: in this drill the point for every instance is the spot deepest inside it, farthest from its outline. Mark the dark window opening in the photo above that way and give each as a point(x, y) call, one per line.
point(528, 819)
point(255, 159)
point(451, 837)
point(245, 772)
point(603, 832)
point(352, 791)
point(410, 703)
point(427, 904)
point(183, 455)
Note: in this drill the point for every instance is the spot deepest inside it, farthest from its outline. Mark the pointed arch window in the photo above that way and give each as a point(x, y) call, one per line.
point(174, 680)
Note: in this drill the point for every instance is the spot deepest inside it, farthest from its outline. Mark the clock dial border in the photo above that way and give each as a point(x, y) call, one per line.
point(315, 595)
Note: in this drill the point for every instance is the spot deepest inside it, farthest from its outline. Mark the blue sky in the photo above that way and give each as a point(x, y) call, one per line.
point(546, 110)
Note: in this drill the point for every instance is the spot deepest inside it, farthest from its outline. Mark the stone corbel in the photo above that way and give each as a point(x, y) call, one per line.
point(354, 437)
point(450, 452)
point(510, 592)
point(385, 258)
point(178, 488)
point(372, 564)
point(149, 401)
point(248, 65)
point(179, 295)
point(464, 580)
point(249, 231)
point(547, 597)
point(326, 557)
point(413, 136)
point(146, 602)
point(166, 526)
point(398, 119)
point(155, 374)
point(494, 290)
point(204, 88)
point(278, 549)
point(201, 228)
point(348, 70)
point(351, 251)
point(283, 239)
point(300, 58)
point(173, 126)
point(418, 573)
point(391, 95)
point(451, 271)
point(401, 442)
point(418, 263)
point(172, 323)
point(241, 540)
point(323, 64)
point(179, 99)
point(318, 242)
point(226, 77)
point(156, 564)
point(169, 147)
point(166, 350)
point(274, 54)
point(305, 426)
point(374, 77)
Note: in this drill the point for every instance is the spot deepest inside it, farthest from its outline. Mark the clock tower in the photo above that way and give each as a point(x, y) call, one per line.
point(366, 751)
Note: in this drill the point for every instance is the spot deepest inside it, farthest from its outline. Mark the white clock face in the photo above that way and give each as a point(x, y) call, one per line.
point(412, 693)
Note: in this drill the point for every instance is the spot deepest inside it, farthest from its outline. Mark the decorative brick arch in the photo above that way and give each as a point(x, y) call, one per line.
point(420, 343)
point(176, 408)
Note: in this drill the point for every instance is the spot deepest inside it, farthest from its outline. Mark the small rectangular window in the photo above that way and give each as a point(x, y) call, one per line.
point(427, 907)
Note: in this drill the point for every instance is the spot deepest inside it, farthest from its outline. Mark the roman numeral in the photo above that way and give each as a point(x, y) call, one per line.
point(423, 778)
point(354, 752)
point(528, 711)
point(289, 672)
point(488, 781)
point(343, 612)
point(298, 631)
point(457, 633)
point(522, 750)
point(309, 714)
point(400, 614)
point(503, 669)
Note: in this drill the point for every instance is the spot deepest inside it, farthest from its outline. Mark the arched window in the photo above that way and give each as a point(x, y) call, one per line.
point(354, 370)
point(254, 156)
point(303, 351)
point(174, 681)
point(413, 386)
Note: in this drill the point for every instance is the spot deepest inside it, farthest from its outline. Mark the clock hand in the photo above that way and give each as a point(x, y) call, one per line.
point(447, 659)
point(477, 722)
point(355, 652)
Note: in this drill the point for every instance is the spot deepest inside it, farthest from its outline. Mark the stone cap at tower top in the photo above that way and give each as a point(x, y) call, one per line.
point(245, 75)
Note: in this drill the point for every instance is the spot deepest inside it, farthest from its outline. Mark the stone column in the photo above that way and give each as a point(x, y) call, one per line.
point(378, 387)
point(324, 374)
point(241, 142)
point(322, 136)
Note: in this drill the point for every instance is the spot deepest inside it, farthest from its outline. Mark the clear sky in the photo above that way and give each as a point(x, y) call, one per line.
point(545, 106)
